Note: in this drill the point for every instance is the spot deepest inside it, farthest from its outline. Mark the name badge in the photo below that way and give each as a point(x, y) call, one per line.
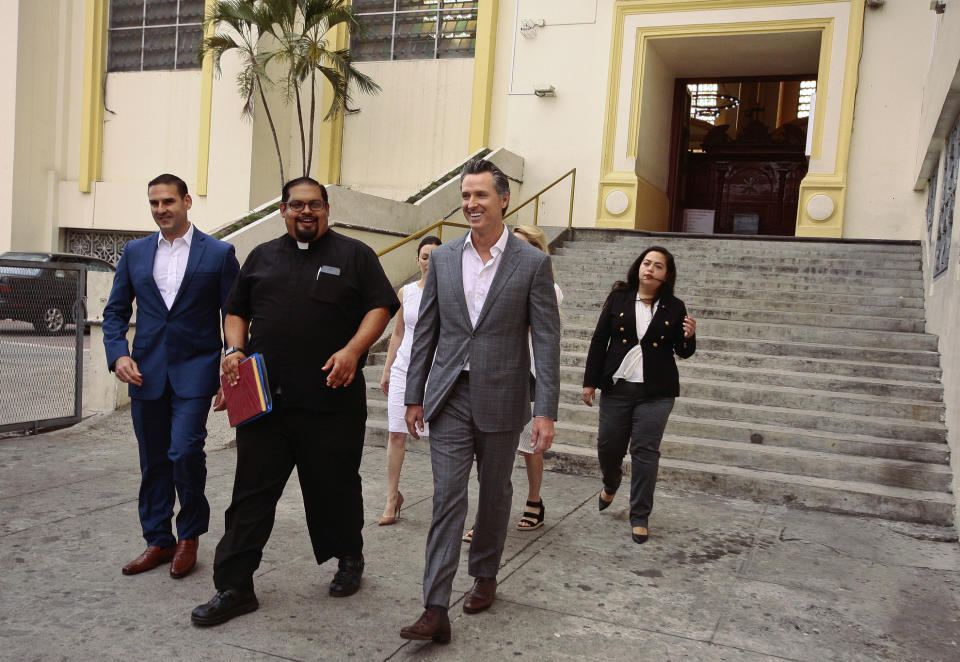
point(325, 269)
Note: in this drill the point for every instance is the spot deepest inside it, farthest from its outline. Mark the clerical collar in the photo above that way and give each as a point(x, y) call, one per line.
point(303, 245)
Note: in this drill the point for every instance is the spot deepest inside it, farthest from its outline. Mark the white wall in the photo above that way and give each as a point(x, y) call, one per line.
point(413, 131)
point(39, 121)
point(570, 52)
point(881, 202)
point(8, 107)
point(939, 106)
point(656, 109)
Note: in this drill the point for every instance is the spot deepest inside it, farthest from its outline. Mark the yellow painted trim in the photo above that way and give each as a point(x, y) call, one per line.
point(641, 193)
point(627, 183)
point(823, 83)
point(834, 184)
point(644, 35)
point(330, 144)
point(850, 79)
point(206, 111)
point(613, 92)
point(483, 65)
point(653, 207)
point(94, 70)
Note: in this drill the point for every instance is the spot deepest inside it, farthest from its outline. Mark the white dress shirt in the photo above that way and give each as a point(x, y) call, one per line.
point(631, 368)
point(478, 276)
point(170, 264)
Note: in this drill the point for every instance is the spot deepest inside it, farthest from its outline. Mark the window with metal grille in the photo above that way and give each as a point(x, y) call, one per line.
point(807, 89)
point(948, 197)
point(703, 101)
point(146, 35)
point(931, 201)
point(415, 29)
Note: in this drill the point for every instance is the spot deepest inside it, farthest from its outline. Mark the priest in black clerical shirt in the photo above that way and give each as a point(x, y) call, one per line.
point(311, 302)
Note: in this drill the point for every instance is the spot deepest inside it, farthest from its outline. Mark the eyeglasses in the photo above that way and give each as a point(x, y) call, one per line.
point(299, 205)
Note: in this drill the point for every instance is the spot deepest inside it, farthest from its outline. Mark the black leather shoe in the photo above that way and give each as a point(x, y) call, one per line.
point(224, 606)
point(641, 538)
point(604, 504)
point(347, 580)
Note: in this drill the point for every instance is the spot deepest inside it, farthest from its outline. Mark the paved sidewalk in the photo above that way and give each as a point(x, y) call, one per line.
point(720, 579)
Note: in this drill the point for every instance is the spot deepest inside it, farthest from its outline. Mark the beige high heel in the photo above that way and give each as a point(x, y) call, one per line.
point(387, 520)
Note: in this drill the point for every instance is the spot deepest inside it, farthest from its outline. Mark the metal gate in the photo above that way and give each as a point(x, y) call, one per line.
point(42, 320)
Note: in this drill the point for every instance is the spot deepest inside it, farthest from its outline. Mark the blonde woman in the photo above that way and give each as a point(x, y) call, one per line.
point(394, 379)
point(534, 512)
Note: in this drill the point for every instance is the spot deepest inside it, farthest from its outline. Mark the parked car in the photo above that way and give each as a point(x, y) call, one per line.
point(46, 297)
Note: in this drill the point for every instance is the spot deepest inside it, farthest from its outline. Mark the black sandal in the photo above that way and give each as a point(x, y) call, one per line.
point(532, 520)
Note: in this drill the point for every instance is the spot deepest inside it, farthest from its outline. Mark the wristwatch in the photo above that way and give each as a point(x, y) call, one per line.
point(232, 350)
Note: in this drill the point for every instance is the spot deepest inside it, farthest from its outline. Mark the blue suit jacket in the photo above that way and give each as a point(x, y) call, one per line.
point(182, 344)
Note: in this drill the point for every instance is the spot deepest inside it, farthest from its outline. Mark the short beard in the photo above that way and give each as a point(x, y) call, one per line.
point(303, 234)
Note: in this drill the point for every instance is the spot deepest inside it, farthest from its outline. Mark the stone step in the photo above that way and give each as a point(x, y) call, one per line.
point(596, 288)
point(824, 382)
point(755, 330)
point(692, 269)
point(688, 281)
point(734, 310)
point(911, 374)
point(841, 496)
point(780, 301)
point(794, 461)
point(783, 348)
point(678, 244)
point(803, 419)
point(571, 376)
point(781, 388)
point(751, 414)
point(626, 257)
point(845, 443)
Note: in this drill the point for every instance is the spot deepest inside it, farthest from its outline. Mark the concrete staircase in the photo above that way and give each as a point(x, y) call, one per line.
point(813, 384)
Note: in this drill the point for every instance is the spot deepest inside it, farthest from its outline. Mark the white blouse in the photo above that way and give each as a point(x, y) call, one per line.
point(631, 368)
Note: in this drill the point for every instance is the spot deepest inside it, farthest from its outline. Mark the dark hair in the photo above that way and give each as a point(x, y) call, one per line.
point(428, 241)
point(285, 195)
point(632, 284)
point(167, 178)
point(479, 166)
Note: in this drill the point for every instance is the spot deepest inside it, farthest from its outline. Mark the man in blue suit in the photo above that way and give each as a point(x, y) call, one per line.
point(180, 278)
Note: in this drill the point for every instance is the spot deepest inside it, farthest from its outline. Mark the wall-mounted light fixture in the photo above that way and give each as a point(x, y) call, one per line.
point(545, 91)
point(938, 6)
point(530, 27)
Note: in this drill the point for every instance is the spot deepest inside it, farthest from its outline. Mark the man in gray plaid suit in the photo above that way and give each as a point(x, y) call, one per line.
point(482, 293)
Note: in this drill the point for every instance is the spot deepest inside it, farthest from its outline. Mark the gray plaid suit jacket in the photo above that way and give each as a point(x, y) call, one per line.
point(521, 297)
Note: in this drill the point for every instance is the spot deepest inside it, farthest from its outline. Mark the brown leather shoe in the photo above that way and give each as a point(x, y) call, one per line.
point(150, 559)
point(185, 558)
point(433, 625)
point(481, 596)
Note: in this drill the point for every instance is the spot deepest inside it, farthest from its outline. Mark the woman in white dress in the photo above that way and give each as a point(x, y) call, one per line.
point(534, 512)
point(394, 379)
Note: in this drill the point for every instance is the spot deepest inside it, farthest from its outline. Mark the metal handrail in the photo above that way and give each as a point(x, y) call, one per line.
point(572, 173)
point(438, 226)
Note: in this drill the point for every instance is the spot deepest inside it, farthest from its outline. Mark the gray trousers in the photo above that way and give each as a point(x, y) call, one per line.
point(629, 418)
point(454, 442)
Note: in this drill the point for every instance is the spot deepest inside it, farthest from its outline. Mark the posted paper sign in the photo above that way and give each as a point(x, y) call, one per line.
point(698, 220)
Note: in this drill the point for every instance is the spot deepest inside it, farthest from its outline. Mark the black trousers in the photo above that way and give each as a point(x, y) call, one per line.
point(326, 448)
point(628, 416)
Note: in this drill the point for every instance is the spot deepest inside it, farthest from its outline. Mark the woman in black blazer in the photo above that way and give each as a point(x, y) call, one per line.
point(641, 327)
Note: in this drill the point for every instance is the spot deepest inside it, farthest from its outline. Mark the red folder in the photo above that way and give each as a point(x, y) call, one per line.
point(250, 398)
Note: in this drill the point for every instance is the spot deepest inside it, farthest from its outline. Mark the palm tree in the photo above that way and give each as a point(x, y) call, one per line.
point(301, 28)
point(250, 21)
point(299, 32)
